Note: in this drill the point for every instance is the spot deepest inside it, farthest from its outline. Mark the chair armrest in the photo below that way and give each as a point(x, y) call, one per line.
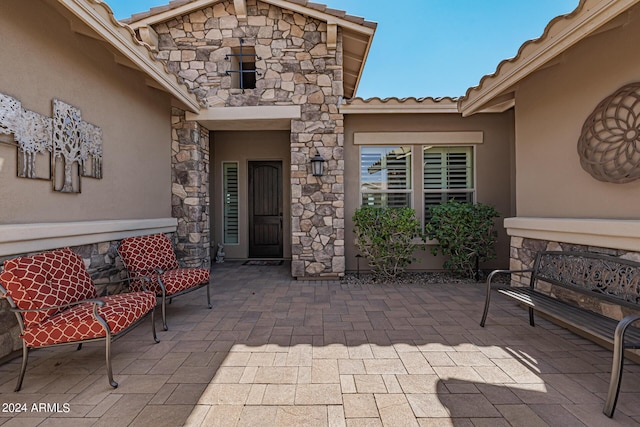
point(133, 275)
point(94, 301)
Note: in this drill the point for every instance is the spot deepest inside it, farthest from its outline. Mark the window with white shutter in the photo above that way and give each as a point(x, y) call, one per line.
point(385, 176)
point(448, 174)
point(230, 194)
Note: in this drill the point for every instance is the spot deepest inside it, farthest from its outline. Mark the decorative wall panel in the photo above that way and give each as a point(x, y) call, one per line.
point(609, 146)
point(62, 149)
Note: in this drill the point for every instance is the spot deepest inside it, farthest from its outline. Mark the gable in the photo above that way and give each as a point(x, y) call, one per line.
point(356, 33)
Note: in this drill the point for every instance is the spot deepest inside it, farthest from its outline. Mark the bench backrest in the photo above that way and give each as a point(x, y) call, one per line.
point(47, 279)
point(145, 254)
point(612, 278)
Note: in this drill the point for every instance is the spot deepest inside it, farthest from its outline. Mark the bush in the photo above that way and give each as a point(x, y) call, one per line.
point(387, 238)
point(465, 233)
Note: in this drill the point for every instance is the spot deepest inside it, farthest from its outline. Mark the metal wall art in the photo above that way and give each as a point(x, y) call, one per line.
point(609, 146)
point(61, 149)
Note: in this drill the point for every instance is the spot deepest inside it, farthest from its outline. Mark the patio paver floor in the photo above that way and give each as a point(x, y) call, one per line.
point(279, 352)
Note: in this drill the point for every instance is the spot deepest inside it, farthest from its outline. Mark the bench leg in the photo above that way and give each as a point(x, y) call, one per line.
point(531, 321)
point(617, 365)
point(23, 368)
point(487, 300)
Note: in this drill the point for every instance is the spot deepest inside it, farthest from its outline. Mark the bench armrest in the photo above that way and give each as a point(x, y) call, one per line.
point(488, 293)
point(495, 272)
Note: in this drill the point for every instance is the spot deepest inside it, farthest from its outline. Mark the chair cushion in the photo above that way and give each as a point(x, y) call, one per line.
point(143, 255)
point(51, 278)
point(178, 280)
point(77, 323)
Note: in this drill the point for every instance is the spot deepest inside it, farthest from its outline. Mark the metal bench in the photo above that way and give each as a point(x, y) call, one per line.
point(609, 279)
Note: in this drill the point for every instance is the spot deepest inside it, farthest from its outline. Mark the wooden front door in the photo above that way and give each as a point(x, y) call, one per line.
point(265, 209)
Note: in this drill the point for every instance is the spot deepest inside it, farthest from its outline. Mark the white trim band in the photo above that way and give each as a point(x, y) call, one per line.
point(24, 238)
point(606, 233)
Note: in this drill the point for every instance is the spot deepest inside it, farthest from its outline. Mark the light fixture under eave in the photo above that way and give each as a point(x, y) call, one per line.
point(317, 164)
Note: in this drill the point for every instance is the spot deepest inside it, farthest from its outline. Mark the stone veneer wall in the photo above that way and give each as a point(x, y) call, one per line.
point(190, 190)
point(523, 254)
point(295, 68)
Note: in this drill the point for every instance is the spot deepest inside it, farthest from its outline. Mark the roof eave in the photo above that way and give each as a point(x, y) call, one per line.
point(560, 34)
point(363, 64)
point(99, 17)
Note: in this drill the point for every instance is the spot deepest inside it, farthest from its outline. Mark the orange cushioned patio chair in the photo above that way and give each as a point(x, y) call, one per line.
point(150, 260)
point(56, 302)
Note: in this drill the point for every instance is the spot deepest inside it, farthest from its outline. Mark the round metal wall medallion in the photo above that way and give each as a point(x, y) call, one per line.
point(609, 146)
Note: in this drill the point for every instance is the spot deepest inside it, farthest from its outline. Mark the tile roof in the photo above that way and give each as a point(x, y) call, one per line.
point(378, 105)
point(560, 33)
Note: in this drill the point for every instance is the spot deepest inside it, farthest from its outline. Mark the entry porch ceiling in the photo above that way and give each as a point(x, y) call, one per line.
point(272, 117)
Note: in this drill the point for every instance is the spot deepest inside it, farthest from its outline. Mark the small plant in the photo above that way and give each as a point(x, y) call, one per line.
point(387, 237)
point(465, 232)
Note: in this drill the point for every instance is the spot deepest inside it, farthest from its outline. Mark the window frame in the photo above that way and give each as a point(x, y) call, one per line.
point(472, 175)
point(224, 203)
point(410, 173)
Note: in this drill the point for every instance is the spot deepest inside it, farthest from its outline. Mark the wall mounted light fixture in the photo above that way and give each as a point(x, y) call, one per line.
point(317, 164)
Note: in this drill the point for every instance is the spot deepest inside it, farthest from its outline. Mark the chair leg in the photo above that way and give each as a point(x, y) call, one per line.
point(108, 360)
point(79, 347)
point(107, 344)
point(208, 295)
point(23, 368)
point(153, 325)
point(164, 313)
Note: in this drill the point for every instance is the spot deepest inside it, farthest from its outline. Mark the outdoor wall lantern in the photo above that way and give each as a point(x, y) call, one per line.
point(317, 164)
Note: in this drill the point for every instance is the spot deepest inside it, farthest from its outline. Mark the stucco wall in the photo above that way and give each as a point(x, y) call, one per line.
point(493, 171)
point(42, 60)
point(551, 107)
point(243, 147)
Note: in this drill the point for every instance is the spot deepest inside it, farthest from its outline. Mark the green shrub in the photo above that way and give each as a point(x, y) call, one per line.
point(387, 237)
point(465, 232)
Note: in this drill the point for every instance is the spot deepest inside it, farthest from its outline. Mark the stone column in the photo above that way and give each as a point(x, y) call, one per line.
point(190, 190)
point(317, 209)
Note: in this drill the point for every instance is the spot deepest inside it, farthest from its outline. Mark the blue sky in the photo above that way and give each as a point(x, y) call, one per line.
point(431, 47)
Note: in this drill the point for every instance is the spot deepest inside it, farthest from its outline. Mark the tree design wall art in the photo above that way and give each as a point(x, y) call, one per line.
point(62, 148)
